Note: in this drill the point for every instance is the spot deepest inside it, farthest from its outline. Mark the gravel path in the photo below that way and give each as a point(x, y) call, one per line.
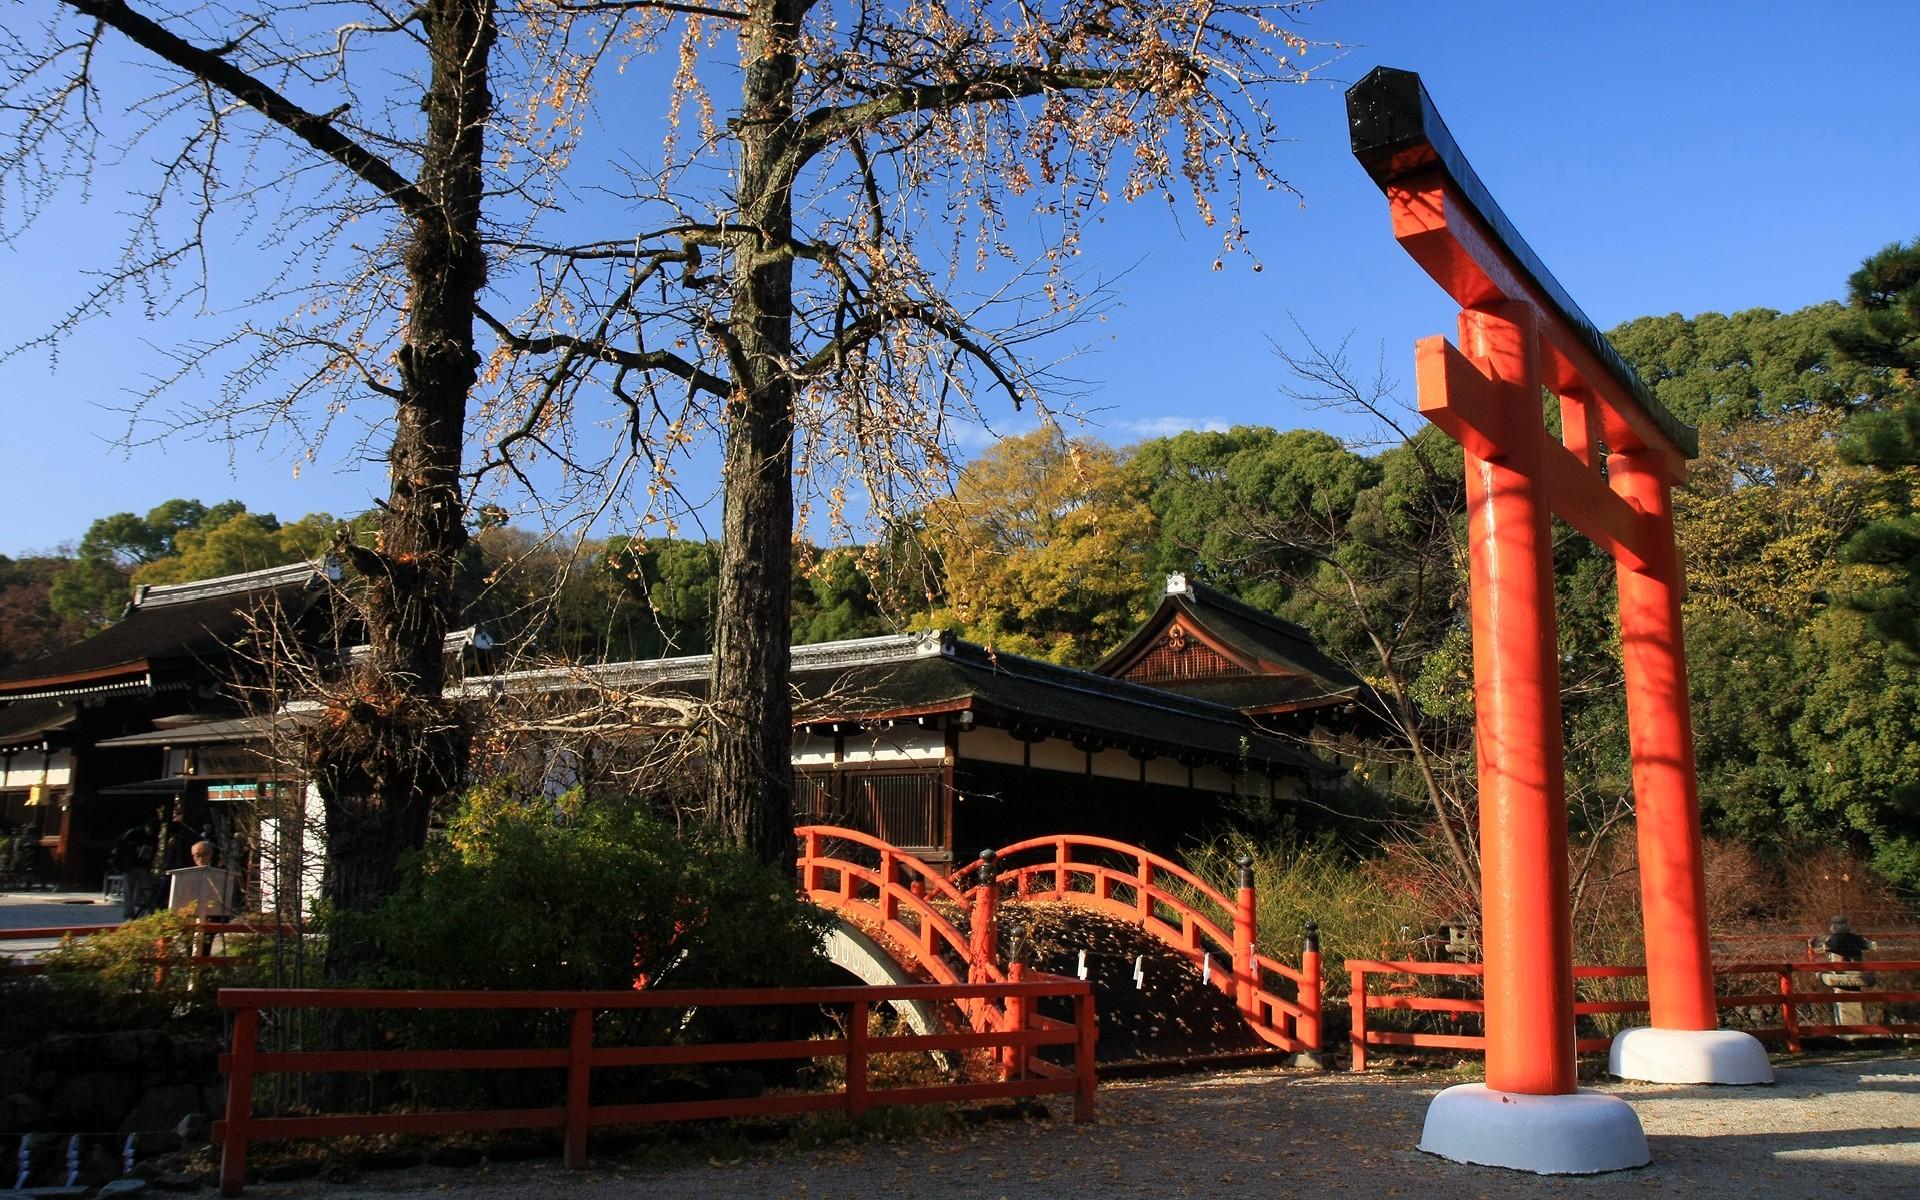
point(1839, 1129)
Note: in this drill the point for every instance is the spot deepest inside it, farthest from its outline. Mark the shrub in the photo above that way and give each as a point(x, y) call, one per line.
point(588, 893)
point(582, 892)
point(113, 980)
point(1295, 883)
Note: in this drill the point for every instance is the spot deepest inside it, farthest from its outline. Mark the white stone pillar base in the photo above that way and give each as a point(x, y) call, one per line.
point(1584, 1133)
point(1689, 1056)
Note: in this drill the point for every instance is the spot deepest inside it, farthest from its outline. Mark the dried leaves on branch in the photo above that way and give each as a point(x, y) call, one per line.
point(830, 267)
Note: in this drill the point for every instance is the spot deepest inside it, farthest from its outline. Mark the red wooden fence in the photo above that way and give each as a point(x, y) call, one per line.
point(1784, 997)
point(1026, 1031)
point(165, 955)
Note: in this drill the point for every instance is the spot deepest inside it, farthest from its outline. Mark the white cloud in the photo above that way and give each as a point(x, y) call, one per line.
point(1167, 426)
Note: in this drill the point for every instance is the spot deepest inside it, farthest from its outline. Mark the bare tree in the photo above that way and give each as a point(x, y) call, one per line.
point(1393, 566)
point(290, 117)
point(833, 265)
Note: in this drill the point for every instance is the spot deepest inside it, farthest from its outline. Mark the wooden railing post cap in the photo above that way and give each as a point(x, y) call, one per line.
point(986, 865)
point(1312, 939)
point(1245, 863)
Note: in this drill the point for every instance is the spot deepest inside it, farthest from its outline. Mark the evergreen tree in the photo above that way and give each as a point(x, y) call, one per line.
point(1884, 334)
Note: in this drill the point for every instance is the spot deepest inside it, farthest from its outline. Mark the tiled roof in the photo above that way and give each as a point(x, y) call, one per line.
point(924, 673)
point(1288, 670)
point(27, 723)
point(169, 632)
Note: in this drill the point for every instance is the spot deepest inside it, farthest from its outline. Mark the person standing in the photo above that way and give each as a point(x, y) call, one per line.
point(133, 857)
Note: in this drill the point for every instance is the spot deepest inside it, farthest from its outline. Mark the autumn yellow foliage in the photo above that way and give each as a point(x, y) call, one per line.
point(1044, 548)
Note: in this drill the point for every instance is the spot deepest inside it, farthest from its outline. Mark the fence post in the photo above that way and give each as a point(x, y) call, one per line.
point(1141, 900)
point(233, 1130)
point(1014, 1060)
point(1307, 1029)
point(984, 929)
point(889, 904)
point(1357, 1000)
point(1060, 867)
point(857, 1060)
point(1083, 1062)
point(1246, 963)
point(579, 1077)
point(1789, 1020)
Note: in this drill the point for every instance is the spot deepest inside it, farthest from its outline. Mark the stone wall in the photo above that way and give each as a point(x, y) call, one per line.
point(131, 1082)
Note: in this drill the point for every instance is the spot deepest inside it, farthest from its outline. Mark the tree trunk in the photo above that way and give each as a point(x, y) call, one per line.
point(399, 746)
point(751, 775)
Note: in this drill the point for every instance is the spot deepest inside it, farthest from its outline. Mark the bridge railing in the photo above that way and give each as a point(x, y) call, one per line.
point(914, 905)
point(1016, 1043)
point(1784, 997)
point(1178, 908)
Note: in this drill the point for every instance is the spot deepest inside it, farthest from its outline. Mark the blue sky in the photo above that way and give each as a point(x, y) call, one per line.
point(1659, 157)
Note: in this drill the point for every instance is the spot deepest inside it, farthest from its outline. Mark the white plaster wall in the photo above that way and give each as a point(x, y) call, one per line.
point(1167, 771)
point(992, 745)
point(903, 744)
point(1212, 779)
point(1054, 754)
point(38, 769)
point(812, 750)
point(1116, 764)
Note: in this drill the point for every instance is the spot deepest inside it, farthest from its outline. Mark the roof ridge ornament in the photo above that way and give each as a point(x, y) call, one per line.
point(1177, 584)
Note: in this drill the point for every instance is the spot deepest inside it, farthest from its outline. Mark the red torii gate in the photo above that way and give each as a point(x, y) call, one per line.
point(1610, 476)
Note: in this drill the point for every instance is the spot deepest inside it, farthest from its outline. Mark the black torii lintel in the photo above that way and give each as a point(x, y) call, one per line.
point(1396, 132)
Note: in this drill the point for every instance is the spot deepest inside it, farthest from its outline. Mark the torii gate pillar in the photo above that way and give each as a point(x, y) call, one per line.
point(1610, 475)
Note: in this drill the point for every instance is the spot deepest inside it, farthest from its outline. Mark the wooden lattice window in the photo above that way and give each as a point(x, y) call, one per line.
point(907, 808)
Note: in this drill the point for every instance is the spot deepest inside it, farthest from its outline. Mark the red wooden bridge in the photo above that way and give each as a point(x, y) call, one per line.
point(945, 928)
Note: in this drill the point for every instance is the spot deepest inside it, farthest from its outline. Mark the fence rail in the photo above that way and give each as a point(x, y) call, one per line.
point(1026, 1074)
point(1785, 997)
point(199, 936)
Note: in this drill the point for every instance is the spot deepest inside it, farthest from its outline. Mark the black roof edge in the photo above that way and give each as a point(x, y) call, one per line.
point(1087, 682)
point(1395, 130)
point(1208, 594)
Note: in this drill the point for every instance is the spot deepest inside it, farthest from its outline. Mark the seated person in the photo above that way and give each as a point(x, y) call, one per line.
point(202, 888)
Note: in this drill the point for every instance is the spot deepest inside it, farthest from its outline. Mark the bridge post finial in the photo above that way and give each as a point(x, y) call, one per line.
point(984, 935)
point(1246, 955)
point(1307, 1027)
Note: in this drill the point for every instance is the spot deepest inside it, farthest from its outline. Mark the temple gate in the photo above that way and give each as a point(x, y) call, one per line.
point(1610, 475)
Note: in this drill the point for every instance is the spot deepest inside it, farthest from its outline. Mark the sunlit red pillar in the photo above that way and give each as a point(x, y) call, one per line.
point(1673, 894)
point(1527, 935)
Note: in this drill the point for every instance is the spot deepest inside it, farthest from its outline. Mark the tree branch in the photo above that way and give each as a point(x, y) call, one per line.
point(315, 129)
point(633, 360)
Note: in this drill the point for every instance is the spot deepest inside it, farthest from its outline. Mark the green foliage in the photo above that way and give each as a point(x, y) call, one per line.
point(641, 598)
point(580, 892)
point(111, 981)
point(177, 541)
point(1714, 369)
point(1883, 333)
point(1297, 882)
point(1214, 496)
point(28, 625)
point(835, 598)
